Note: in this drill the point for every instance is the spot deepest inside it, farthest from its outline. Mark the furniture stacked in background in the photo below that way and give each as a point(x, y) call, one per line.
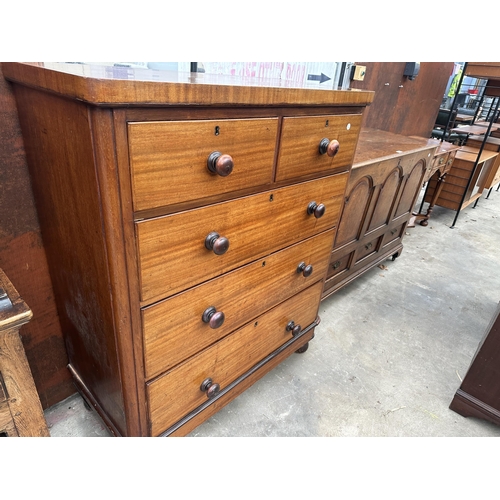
point(21, 413)
point(479, 392)
point(476, 167)
point(188, 224)
point(383, 186)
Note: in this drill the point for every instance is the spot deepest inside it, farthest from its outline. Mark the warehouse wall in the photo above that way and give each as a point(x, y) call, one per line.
point(404, 106)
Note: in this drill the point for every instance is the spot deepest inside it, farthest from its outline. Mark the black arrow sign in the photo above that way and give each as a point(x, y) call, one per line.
point(318, 78)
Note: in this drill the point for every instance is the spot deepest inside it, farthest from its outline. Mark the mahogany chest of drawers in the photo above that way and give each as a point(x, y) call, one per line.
point(188, 226)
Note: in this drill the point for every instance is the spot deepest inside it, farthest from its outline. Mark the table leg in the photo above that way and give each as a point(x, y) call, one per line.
point(435, 196)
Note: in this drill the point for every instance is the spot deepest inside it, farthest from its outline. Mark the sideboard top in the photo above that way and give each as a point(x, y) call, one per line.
point(114, 86)
point(377, 145)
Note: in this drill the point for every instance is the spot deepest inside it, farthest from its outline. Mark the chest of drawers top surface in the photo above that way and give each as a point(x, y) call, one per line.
point(110, 85)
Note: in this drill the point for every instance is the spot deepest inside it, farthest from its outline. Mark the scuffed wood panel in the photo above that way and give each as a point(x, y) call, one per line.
point(23, 259)
point(403, 106)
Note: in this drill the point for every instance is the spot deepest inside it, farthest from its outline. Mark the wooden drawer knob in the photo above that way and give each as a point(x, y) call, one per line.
point(214, 318)
point(218, 244)
point(317, 210)
point(329, 147)
point(306, 270)
point(210, 388)
point(292, 327)
point(220, 164)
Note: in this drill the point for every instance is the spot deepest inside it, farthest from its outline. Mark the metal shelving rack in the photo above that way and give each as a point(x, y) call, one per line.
point(481, 71)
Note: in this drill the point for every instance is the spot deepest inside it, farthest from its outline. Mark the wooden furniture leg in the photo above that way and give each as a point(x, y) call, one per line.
point(435, 196)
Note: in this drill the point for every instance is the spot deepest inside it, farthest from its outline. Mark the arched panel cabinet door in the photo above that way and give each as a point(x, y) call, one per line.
point(353, 215)
point(411, 189)
point(386, 199)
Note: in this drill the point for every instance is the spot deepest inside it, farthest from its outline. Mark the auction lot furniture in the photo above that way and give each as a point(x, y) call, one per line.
point(385, 180)
point(188, 222)
point(435, 177)
point(21, 413)
point(466, 179)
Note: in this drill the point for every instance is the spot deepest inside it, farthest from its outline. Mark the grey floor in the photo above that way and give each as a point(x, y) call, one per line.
point(389, 354)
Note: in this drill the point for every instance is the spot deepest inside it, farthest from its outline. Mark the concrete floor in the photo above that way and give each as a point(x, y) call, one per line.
point(389, 354)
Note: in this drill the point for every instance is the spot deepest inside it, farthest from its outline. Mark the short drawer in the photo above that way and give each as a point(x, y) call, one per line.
point(338, 264)
point(439, 162)
point(395, 233)
point(178, 392)
point(240, 296)
point(299, 153)
point(169, 160)
point(366, 249)
point(173, 253)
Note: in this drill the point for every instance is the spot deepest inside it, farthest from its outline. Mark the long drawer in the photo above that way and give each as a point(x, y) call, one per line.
point(240, 296)
point(169, 160)
point(178, 392)
point(174, 251)
point(300, 154)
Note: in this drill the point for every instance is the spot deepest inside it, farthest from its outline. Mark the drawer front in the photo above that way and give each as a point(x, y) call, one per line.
point(240, 295)
point(367, 249)
point(168, 160)
point(394, 234)
point(438, 163)
point(178, 392)
point(172, 249)
point(338, 264)
point(299, 153)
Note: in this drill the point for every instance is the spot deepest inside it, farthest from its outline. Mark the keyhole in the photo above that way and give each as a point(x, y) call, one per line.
point(327, 123)
point(271, 198)
point(217, 130)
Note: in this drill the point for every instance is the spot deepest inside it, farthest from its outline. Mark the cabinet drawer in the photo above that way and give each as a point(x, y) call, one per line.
point(240, 295)
point(338, 264)
point(299, 153)
point(394, 234)
point(172, 249)
point(168, 160)
point(178, 392)
point(367, 249)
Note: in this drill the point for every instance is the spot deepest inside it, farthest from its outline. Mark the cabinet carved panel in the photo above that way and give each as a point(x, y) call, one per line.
point(380, 197)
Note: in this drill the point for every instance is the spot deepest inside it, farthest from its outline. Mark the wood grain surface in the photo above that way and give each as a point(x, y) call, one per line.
point(241, 295)
point(168, 160)
point(178, 391)
point(299, 147)
point(255, 226)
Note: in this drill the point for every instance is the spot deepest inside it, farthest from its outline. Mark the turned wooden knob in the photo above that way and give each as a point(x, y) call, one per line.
point(292, 327)
point(218, 244)
point(306, 270)
point(331, 148)
point(214, 318)
point(210, 388)
point(220, 164)
point(317, 210)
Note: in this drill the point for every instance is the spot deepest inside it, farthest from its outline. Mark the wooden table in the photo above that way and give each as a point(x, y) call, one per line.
point(475, 129)
point(464, 118)
point(21, 413)
point(435, 177)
